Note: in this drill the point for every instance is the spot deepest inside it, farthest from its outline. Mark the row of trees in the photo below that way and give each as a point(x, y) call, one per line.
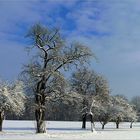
point(85, 92)
point(51, 93)
point(113, 108)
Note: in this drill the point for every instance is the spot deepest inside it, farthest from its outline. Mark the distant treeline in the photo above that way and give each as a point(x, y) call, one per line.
point(61, 111)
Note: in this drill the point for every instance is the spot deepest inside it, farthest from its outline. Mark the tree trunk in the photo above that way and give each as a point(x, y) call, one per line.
point(40, 106)
point(103, 126)
point(84, 121)
point(131, 124)
point(117, 122)
point(117, 125)
point(91, 119)
point(92, 127)
point(40, 120)
point(1, 119)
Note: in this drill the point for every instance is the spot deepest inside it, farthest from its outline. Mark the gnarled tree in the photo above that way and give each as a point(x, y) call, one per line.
point(54, 56)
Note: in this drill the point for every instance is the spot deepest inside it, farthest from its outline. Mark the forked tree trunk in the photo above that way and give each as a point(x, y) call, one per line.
point(103, 126)
point(117, 122)
point(84, 121)
point(1, 119)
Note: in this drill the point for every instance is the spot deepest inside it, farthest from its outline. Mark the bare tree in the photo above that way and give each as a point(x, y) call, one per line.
point(12, 99)
point(54, 55)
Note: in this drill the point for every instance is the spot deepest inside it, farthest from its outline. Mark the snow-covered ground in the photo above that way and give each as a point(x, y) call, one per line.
point(56, 130)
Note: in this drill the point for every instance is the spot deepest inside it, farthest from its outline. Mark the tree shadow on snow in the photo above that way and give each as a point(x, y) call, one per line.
point(67, 129)
point(114, 129)
point(18, 128)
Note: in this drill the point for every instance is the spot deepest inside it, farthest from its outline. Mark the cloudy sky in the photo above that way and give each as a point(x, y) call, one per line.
point(111, 28)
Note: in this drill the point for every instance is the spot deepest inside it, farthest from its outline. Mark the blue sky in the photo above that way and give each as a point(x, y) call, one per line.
point(111, 28)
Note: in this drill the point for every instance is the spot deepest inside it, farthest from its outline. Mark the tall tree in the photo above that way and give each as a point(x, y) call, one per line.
point(54, 56)
point(12, 99)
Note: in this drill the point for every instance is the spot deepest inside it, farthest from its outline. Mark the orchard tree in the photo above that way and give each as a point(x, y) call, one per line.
point(12, 99)
point(93, 88)
point(104, 113)
point(136, 102)
point(119, 104)
point(117, 108)
point(54, 56)
point(123, 110)
point(131, 114)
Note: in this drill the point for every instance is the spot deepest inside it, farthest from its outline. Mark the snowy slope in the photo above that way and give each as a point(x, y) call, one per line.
point(56, 130)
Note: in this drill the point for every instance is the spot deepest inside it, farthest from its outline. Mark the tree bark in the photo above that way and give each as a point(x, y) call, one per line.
point(40, 119)
point(84, 121)
point(40, 109)
point(1, 119)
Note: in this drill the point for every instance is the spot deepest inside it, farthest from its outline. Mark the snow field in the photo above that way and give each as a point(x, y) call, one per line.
point(66, 130)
